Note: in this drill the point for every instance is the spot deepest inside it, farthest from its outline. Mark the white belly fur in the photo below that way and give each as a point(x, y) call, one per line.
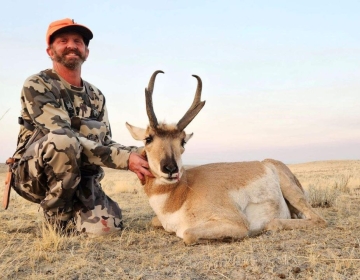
point(172, 222)
point(261, 201)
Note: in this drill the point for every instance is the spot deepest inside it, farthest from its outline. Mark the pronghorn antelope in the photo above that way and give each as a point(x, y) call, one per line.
point(219, 200)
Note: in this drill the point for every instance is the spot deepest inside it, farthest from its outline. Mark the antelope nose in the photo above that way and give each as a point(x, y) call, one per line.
point(170, 169)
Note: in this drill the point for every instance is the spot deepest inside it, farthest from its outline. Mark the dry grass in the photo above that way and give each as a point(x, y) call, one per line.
point(328, 173)
point(31, 250)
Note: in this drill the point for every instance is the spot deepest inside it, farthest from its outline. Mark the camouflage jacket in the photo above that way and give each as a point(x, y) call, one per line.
point(48, 102)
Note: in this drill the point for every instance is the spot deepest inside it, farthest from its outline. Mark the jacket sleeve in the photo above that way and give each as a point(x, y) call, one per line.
point(98, 147)
point(44, 106)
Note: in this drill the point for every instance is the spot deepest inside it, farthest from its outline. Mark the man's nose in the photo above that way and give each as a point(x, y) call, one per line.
point(71, 44)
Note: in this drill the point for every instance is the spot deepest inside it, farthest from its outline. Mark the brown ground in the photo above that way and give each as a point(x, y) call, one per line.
point(29, 250)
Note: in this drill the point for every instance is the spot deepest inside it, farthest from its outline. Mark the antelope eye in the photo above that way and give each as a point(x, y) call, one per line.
point(183, 142)
point(148, 140)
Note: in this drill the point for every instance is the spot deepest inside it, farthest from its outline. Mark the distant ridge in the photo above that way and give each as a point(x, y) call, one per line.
point(331, 164)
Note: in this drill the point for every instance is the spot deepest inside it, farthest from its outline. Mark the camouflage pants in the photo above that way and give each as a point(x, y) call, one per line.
point(50, 173)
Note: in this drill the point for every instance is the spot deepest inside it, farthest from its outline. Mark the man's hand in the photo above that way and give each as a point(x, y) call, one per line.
point(139, 166)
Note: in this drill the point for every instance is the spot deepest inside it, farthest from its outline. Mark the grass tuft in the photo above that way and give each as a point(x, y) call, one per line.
point(322, 197)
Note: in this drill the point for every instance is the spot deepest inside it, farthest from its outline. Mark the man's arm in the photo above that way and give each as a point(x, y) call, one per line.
point(42, 103)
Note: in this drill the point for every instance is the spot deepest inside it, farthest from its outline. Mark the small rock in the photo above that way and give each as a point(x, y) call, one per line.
point(296, 269)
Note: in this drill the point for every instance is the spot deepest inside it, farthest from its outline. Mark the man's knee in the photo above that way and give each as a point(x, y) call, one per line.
point(52, 160)
point(60, 151)
point(60, 141)
point(64, 140)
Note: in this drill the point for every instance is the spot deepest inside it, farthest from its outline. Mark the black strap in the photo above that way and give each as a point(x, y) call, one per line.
point(67, 102)
point(89, 94)
point(25, 123)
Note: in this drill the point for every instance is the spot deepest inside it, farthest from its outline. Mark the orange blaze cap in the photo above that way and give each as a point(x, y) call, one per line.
point(68, 25)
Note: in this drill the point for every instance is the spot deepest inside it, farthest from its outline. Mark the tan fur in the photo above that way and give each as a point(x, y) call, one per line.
point(223, 200)
point(177, 196)
point(219, 200)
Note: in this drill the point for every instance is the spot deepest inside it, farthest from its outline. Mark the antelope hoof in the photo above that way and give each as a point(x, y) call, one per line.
point(190, 238)
point(274, 225)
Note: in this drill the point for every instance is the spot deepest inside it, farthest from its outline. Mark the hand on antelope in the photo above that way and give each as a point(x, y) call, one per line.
point(139, 165)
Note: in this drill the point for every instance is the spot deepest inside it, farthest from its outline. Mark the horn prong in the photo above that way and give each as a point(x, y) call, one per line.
point(195, 107)
point(148, 97)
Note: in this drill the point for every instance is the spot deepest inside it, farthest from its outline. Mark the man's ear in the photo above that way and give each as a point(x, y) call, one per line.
point(50, 52)
point(87, 51)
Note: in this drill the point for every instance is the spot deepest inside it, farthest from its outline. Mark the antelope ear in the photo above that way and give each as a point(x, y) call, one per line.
point(136, 132)
point(188, 136)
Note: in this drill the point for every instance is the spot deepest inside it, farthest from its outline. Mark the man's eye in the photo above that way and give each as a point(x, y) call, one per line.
point(148, 140)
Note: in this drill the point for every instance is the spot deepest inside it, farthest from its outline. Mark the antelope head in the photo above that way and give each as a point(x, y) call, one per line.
point(164, 143)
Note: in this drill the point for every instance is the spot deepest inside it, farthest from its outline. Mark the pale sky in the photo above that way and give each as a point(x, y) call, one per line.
point(280, 78)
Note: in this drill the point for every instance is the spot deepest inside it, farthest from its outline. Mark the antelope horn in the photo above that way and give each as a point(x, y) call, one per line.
point(148, 97)
point(195, 107)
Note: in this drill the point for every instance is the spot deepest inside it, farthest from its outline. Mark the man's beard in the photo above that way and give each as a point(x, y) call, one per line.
point(70, 63)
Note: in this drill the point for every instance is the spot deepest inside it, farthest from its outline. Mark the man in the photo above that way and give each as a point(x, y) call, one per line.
point(65, 138)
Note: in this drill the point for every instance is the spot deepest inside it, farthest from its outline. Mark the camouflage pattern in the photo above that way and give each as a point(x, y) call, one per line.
point(59, 163)
point(95, 212)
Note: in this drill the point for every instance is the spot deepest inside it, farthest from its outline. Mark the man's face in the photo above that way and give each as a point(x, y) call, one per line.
point(69, 50)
